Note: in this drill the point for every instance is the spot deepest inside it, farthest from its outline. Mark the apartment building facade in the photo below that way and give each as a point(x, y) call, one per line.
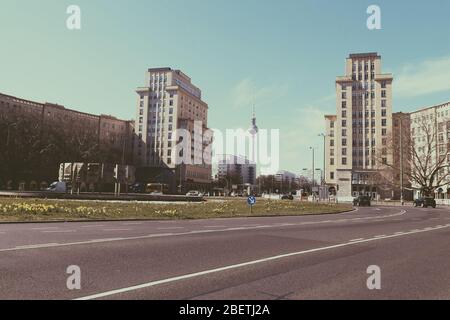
point(357, 136)
point(173, 142)
point(103, 137)
point(430, 136)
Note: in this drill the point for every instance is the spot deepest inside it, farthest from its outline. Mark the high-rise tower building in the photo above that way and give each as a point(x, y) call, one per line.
point(358, 135)
point(169, 106)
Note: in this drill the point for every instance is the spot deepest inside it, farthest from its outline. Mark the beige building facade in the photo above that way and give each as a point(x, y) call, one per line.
point(169, 106)
point(430, 136)
point(357, 136)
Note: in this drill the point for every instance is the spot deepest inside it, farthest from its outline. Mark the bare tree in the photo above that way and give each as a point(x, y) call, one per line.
point(421, 159)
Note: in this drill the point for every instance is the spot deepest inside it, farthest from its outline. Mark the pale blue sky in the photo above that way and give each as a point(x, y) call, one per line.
point(286, 53)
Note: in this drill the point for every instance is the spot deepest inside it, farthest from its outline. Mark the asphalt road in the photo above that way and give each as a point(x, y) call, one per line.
point(309, 257)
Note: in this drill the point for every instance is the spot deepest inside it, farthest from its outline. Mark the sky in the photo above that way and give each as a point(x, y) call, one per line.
point(282, 55)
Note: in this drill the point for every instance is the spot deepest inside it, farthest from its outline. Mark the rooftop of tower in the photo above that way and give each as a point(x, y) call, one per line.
point(364, 55)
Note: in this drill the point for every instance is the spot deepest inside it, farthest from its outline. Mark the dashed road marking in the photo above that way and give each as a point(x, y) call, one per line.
point(93, 226)
point(59, 231)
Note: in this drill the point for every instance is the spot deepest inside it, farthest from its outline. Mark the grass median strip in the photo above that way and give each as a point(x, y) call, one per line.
point(29, 210)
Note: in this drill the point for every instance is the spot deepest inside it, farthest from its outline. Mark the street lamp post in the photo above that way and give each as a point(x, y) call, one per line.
point(324, 154)
point(401, 162)
point(313, 171)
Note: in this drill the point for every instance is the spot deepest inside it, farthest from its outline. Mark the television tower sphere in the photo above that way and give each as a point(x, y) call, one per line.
point(254, 128)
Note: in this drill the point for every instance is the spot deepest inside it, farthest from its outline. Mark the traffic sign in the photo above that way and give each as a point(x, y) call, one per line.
point(251, 201)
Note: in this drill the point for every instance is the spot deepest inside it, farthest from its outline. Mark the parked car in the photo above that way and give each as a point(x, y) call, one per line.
point(194, 193)
point(57, 187)
point(425, 202)
point(362, 201)
point(287, 197)
point(137, 188)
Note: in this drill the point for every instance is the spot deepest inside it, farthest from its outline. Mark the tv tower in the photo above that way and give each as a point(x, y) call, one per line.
point(253, 132)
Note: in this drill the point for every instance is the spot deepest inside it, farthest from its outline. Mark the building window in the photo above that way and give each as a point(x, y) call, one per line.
point(331, 161)
point(344, 142)
point(332, 175)
point(344, 161)
point(383, 122)
point(383, 93)
point(344, 132)
point(344, 104)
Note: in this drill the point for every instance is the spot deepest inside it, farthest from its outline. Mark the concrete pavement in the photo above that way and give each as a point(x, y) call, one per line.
point(309, 257)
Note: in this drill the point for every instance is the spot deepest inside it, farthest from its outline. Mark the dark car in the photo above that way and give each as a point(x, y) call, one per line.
point(362, 201)
point(425, 202)
point(137, 187)
point(287, 197)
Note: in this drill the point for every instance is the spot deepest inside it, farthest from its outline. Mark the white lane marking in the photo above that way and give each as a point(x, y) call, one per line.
point(35, 246)
point(93, 226)
point(58, 231)
point(214, 226)
point(236, 266)
point(359, 239)
point(171, 228)
point(46, 228)
point(398, 233)
point(123, 229)
point(380, 236)
point(170, 234)
point(132, 223)
point(201, 231)
point(104, 240)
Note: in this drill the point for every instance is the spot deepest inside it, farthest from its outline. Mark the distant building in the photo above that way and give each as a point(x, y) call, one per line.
point(168, 104)
point(240, 170)
point(287, 177)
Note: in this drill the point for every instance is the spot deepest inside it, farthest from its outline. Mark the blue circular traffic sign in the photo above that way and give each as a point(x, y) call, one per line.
point(251, 201)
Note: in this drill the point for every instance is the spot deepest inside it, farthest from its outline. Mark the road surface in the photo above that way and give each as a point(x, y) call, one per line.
point(308, 257)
